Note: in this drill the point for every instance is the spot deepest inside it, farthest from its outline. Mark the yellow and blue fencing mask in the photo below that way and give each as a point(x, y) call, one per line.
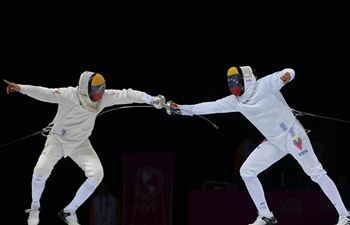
point(239, 79)
point(91, 88)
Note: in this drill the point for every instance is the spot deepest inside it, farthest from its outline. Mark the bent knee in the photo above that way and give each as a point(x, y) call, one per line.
point(247, 173)
point(42, 171)
point(97, 175)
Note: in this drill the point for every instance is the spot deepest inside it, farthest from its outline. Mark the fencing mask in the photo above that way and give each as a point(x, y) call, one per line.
point(90, 90)
point(241, 81)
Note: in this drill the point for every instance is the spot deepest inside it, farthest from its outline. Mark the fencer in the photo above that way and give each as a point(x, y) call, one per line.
point(78, 107)
point(262, 103)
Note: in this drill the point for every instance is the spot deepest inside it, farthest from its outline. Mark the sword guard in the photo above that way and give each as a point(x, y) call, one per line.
point(172, 108)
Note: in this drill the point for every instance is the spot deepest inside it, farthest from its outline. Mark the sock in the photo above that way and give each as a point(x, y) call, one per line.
point(38, 185)
point(331, 191)
point(256, 192)
point(85, 190)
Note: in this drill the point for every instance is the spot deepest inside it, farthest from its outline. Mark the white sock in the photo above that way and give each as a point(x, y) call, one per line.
point(256, 192)
point(331, 191)
point(83, 193)
point(38, 186)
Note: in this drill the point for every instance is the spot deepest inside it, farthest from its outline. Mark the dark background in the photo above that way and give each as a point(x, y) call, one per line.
point(183, 56)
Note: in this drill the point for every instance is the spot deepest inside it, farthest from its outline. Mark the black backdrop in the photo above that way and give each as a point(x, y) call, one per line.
point(183, 56)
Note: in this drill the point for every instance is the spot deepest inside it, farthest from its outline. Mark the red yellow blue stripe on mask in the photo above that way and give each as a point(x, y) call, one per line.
point(97, 87)
point(235, 81)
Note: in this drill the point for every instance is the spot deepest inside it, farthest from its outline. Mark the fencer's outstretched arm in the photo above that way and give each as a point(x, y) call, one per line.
point(11, 87)
point(156, 101)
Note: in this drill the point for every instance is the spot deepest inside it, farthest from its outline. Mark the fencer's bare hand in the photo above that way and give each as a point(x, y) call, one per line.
point(285, 77)
point(11, 87)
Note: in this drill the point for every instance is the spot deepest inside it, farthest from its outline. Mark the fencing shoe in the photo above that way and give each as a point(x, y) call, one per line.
point(68, 218)
point(344, 220)
point(262, 220)
point(33, 218)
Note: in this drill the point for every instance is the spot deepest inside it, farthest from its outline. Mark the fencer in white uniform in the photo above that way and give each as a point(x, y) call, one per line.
point(78, 108)
point(262, 103)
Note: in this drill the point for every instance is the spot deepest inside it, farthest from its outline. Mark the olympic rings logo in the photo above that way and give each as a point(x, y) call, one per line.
point(147, 206)
point(149, 182)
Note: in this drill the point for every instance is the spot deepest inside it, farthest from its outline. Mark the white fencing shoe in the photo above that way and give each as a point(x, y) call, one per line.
point(262, 220)
point(33, 218)
point(344, 220)
point(69, 218)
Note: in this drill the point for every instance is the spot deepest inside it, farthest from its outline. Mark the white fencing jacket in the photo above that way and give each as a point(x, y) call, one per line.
point(73, 124)
point(266, 108)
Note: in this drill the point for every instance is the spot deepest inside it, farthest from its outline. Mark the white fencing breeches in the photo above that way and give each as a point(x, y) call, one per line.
point(84, 156)
point(297, 143)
